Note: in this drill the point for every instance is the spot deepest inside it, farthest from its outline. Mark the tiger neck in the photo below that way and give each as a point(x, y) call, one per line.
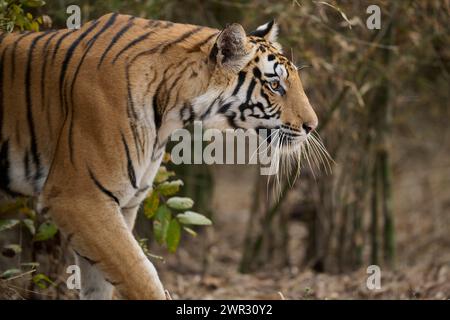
point(186, 96)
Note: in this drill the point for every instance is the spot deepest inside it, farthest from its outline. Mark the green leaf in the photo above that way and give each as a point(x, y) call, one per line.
point(163, 174)
point(166, 157)
point(6, 224)
point(169, 188)
point(154, 256)
point(30, 225)
point(173, 235)
point(42, 281)
point(180, 203)
point(190, 231)
point(190, 217)
point(161, 224)
point(34, 3)
point(32, 265)
point(151, 205)
point(143, 244)
point(45, 231)
point(10, 273)
point(34, 26)
point(30, 213)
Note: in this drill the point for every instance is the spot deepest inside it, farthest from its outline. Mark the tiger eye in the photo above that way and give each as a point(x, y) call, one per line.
point(275, 84)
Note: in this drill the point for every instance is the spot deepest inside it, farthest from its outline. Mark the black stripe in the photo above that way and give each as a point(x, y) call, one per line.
point(153, 23)
point(102, 188)
point(159, 24)
point(90, 261)
point(158, 152)
point(114, 283)
point(26, 162)
point(174, 83)
point(155, 49)
point(224, 108)
point(157, 113)
point(275, 65)
point(107, 25)
point(13, 54)
point(29, 103)
point(132, 44)
point(130, 168)
point(91, 42)
point(67, 59)
point(202, 43)
point(157, 110)
point(141, 190)
point(131, 207)
point(241, 80)
point(44, 66)
point(257, 73)
point(213, 53)
point(4, 165)
point(114, 40)
point(183, 37)
point(131, 113)
point(59, 42)
point(208, 110)
point(265, 96)
point(250, 90)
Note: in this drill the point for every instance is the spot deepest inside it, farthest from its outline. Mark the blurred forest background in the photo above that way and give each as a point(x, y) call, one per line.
point(382, 97)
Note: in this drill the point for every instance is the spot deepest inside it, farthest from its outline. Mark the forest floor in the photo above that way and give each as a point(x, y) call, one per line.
point(183, 277)
point(221, 280)
point(430, 282)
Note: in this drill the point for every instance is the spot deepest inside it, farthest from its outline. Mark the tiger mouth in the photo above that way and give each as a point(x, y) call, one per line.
point(290, 137)
point(283, 137)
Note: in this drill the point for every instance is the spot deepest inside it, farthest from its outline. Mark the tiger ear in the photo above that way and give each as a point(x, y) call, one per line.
point(268, 31)
point(230, 49)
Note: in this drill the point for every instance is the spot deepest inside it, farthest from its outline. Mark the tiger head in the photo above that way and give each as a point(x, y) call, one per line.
point(254, 86)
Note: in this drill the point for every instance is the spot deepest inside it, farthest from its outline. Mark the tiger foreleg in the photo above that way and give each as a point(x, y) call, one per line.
point(99, 233)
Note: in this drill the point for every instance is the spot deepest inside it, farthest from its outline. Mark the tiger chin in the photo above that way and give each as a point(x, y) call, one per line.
point(85, 115)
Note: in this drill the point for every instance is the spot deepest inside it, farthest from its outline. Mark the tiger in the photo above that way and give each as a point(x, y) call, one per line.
point(85, 115)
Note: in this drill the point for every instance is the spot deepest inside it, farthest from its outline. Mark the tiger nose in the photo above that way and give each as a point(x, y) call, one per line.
point(309, 126)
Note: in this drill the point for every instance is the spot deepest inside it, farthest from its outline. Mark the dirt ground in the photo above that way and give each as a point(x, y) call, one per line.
point(187, 276)
point(422, 281)
point(417, 283)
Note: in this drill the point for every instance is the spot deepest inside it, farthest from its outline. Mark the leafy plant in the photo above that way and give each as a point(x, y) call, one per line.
point(14, 14)
point(170, 213)
point(38, 230)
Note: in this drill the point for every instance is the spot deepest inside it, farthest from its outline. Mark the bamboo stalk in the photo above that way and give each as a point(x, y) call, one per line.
point(389, 228)
point(374, 217)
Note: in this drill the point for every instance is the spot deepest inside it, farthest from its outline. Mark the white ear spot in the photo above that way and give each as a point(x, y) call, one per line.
point(268, 31)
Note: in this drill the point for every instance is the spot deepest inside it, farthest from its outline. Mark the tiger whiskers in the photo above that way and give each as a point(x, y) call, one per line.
point(311, 153)
point(264, 142)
